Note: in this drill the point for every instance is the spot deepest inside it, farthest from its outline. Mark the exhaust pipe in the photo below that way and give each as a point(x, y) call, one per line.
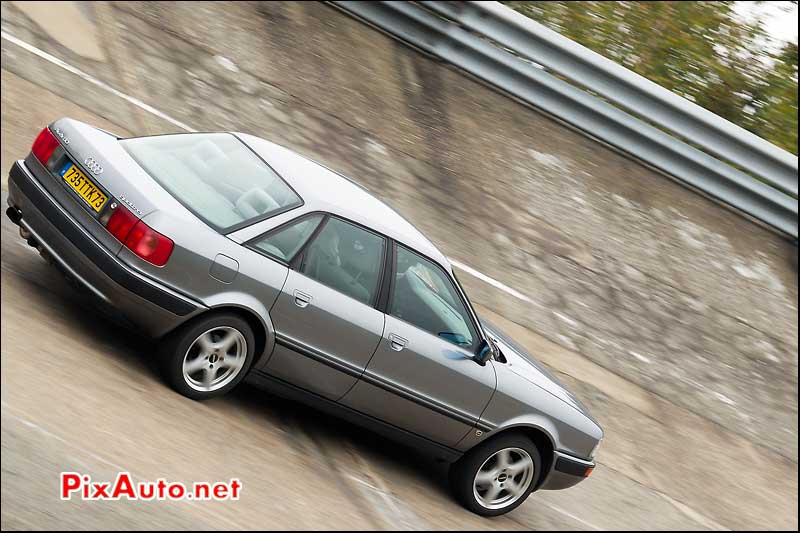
point(29, 238)
point(45, 255)
point(14, 214)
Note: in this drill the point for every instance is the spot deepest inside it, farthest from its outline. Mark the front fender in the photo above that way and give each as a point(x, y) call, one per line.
point(523, 422)
point(519, 403)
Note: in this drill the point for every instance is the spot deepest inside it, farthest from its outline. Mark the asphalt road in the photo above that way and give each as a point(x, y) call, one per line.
point(82, 394)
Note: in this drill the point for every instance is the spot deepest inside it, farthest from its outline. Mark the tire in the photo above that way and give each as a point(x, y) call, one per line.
point(514, 487)
point(207, 345)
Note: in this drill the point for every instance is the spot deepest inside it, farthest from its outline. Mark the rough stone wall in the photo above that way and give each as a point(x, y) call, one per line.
point(620, 264)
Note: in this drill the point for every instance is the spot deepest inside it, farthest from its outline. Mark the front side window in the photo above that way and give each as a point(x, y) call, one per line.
point(424, 296)
point(215, 175)
point(284, 242)
point(346, 258)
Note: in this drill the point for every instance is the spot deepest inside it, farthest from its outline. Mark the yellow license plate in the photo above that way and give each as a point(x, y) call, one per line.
point(87, 190)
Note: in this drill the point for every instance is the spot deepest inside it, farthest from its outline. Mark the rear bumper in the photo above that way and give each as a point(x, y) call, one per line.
point(147, 304)
point(566, 472)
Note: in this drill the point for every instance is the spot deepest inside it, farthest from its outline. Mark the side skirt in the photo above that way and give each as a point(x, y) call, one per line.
point(294, 393)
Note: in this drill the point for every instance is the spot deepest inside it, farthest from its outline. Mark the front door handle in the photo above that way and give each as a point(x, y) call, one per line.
point(396, 342)
point(301, 299)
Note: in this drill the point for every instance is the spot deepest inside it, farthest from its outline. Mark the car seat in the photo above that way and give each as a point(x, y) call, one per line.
point(324, 264)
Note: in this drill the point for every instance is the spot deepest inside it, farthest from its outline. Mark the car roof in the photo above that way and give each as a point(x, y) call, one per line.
point(323, 189)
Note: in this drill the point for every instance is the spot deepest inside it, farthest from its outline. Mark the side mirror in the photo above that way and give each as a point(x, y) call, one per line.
point(484, 353)
point(455, 338)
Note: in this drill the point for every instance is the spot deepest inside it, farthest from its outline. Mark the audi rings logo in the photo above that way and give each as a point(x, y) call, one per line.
point(93, 166)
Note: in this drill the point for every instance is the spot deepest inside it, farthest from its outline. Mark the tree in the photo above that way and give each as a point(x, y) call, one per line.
point(702, 51)
point(775, 116)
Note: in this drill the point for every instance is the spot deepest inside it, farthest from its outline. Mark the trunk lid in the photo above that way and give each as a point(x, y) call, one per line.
point(100, 157)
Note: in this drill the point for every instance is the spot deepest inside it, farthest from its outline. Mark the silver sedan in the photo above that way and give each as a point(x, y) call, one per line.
point(247, 260)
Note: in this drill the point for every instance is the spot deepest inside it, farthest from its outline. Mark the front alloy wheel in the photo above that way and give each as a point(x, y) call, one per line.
point(497, 475)
point(503, 478)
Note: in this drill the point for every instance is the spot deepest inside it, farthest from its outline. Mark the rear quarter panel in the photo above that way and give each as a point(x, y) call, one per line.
point(256, 281)
point(253, 287)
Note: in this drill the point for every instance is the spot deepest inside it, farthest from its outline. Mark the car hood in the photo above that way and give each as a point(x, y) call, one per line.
point(524, 365)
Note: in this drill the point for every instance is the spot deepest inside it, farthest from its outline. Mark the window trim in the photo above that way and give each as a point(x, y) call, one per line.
point(480, 334)
point(387, 285)
point(222, 230)
point(245, 223)
point(388, 270)
point(251, 243)
point(472, 312)
point(296, 261)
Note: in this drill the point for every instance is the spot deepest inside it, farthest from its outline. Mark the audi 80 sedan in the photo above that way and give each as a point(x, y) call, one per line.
point(245, 259)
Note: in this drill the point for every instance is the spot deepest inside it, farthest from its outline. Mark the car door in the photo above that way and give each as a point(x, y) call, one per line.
point(326, 325)
point(422, 377)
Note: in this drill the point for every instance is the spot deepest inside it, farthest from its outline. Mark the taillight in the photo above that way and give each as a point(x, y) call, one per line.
point(121, 222)
point(149, 244)
point(138, 237)
point(44, 145)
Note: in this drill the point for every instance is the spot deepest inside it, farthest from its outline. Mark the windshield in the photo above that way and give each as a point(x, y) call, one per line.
point(215, 175)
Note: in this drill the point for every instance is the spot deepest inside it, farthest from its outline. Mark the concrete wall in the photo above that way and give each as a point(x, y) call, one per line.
point(623, 266)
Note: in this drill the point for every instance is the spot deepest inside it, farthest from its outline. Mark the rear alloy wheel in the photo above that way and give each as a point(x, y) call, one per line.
point(214, 359)
point(208, 357)
point(497, 475)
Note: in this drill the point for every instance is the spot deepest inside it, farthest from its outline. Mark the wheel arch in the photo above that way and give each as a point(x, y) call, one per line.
point(265, 336)
point(546, 445)
point(541, 437)
point(254, 313)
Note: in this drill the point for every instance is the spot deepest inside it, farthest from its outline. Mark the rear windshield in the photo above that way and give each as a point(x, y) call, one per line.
point(215, 175)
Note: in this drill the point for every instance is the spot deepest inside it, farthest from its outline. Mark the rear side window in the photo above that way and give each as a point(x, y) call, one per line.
point(214, 175)
point(424, 296)
point(284, 242)
point(346, 258)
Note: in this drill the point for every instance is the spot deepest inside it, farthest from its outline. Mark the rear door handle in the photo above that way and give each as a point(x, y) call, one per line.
point(396, 342)
point(301, 299)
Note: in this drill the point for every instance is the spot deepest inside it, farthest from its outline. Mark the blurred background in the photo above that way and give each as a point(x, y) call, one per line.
point(672, 317)
point(736, 59)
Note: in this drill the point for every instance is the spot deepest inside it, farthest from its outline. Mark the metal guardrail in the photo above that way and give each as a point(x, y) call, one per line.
point(479, 37)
